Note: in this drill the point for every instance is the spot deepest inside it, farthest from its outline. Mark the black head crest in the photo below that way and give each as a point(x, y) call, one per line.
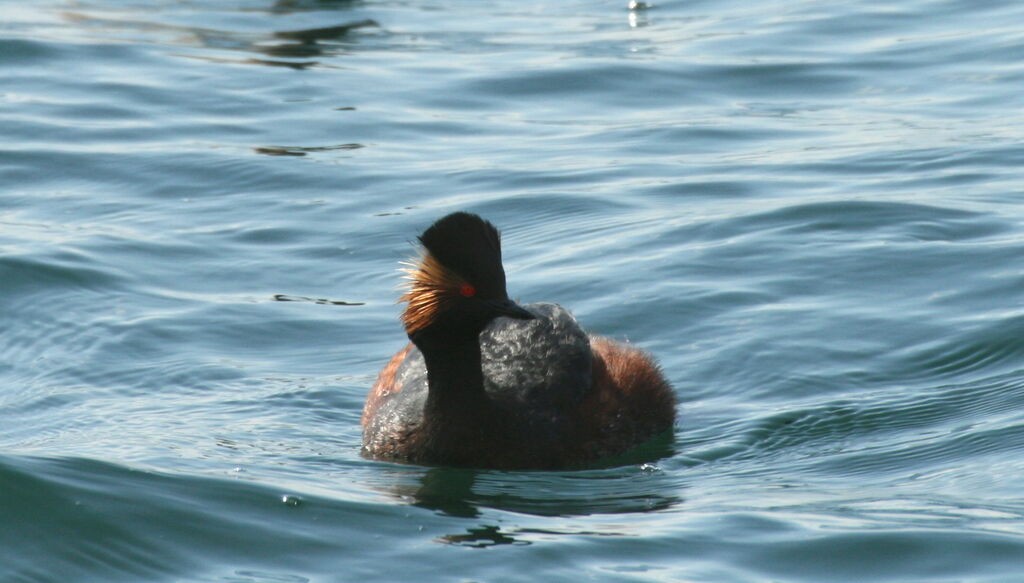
point(471, 247)
point(462, 258)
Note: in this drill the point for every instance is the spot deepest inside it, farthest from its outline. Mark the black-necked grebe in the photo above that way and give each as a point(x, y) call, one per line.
point(487, 383)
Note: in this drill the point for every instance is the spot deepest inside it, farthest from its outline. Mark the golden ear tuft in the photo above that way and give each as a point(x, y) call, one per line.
point(429, 286)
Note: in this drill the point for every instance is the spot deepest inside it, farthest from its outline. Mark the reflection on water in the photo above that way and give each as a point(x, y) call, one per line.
point(309, 42)
point(285, 44)
point(489, 536)
point(638, 13)
point(622, 484)
point(320, 301)
point(288, 6)
point(303, 150)
point(463, 492)
point(448, 490)
point(485, 536)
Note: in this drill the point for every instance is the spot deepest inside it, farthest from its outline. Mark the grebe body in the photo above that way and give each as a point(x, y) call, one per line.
point(490, 384)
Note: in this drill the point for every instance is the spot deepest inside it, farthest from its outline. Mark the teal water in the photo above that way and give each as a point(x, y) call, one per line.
point(810, 212)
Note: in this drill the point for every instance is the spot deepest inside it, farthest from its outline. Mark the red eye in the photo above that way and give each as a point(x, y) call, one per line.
point(467, 290)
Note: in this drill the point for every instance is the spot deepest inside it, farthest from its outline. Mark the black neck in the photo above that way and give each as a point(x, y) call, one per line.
point(455, 378)
point(459, 418)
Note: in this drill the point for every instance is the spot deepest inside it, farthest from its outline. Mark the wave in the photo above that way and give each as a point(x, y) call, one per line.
point(75, 519)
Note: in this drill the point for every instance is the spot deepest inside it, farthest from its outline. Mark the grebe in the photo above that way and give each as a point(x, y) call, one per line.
point(487, 383)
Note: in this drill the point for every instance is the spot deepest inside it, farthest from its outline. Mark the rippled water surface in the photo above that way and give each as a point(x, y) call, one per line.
point(810, 212)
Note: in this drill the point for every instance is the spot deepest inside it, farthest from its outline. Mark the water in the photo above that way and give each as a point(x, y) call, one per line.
point(809, 212)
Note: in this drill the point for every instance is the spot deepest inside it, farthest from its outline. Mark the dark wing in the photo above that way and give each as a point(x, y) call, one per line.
point(540, 365)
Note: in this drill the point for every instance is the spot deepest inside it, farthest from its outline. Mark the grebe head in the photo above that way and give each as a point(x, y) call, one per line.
point(458, 284)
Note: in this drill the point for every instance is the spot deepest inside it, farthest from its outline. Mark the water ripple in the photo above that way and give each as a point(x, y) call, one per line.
point(808, 212)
